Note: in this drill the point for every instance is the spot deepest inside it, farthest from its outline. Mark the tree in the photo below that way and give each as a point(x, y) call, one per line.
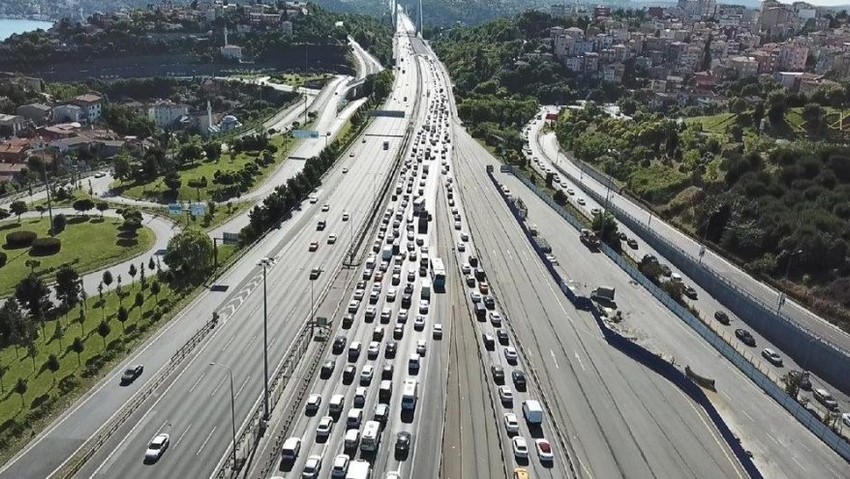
point(606, 226)
point(33, 264)
point(189, 254)
point(59, 333)
point(78, 346)
point(213, 150)
point(4, 214)
point(34, 295)
point(142, 276)
point(173, 182)
point(121, 167)
point(813, 114)
point(82, 320)
point(60, 221)
point(103, 331)
point(68, 286)
point(53, 365)
point(123, 316)
point(107, 278)
point(792, 384)
point(83, 205)
point(41, 209)
point(102, 206)
point(155, 290)
point(32, 352)
point(3, 369)
point(118, 290)
point(21, 389)
point(18, 208)
point(139, 302)
point(151, 264)
point(132, 271)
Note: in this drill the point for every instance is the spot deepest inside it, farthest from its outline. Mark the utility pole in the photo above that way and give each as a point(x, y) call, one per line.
point(265, 263)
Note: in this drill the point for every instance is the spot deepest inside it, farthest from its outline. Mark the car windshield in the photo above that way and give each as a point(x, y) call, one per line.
point(544, 446)
point(157, 443)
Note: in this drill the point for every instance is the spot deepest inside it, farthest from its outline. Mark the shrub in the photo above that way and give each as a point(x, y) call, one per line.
point(59, 223)
point(46, 246)
point(68, 383)
point(3, 257)
point(20, 239)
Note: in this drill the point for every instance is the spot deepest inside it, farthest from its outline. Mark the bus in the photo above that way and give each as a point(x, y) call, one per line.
point(371, 437)
point(418, 205)
point(438, 274)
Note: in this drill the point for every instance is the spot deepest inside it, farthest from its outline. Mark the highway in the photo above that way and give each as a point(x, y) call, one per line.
point(711, 260)
point(55, 445)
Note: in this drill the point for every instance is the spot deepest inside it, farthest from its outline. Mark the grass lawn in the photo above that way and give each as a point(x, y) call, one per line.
point(298, 80)
point(87, 244)
point(714, 123)
point(49, 392)
point(157, 191)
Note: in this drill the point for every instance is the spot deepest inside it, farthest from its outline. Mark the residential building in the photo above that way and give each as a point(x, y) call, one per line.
point(67, 113)
point(793, 56)
point(165, 113)
point(11, 125)
point(613, 73)
point(37, 113)
point(90, 106)
point(14, 150)
point(8, 171)
point(744, 66)
point(558, 11)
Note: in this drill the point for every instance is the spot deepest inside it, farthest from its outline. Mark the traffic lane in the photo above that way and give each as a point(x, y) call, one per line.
point(274, 277)
point(722, 267)
point(630, 450)
point(708, 306)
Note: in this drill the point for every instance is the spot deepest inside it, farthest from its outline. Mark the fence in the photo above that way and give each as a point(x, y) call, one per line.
point(808, 349)
point(741, 359)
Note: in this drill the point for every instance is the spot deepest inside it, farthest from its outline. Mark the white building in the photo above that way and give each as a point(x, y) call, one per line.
point(67, 113)
point(166, 113)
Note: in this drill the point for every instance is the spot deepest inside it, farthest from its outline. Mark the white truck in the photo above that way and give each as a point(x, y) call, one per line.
point(426, 289)
point(387, 253)
point(359, 470)
point(410, 393)
point(532, 411)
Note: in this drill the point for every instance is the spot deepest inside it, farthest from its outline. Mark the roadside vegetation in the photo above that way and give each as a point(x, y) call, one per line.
point(85, 243)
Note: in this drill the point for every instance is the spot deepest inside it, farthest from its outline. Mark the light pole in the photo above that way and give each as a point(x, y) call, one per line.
point(232, 408)
point(265, 263)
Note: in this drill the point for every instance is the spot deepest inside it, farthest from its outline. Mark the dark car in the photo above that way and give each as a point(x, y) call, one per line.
point(387, 371)
point(131, 373)
point(690, 292)
point(519, 380)
point(347, 321)
point(402, 442)
point(498, 374)
point(406, 299)
point(489, 303)
point(745, 337)
point(390, 350)
point(348, 374)
point(408, 288)
point(489, 341)
point(339, 344)
point(328, 368)
point(398, 332)
point(502, 336)
point(473, 261)
point(722, 317)
point(633, 244)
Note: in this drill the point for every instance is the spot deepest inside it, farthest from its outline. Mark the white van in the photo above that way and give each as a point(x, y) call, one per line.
point(291, 448)
point(352, 438)
point(336, 403)
point(355, 415)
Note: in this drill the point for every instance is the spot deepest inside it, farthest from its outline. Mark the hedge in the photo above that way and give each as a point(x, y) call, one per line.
point(20, 239)
point(46, 246)
point(2, 259)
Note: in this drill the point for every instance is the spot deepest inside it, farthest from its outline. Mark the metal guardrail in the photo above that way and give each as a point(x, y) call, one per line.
point(741, 359)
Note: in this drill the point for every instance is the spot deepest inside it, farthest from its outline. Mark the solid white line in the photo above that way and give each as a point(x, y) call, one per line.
point(198, 381)
point(748, 416)
point(579, 361)
point(206, 441)
point(242, 386)
point(181, 436)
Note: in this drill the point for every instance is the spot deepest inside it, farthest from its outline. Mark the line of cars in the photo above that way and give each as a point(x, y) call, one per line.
point(399, 290)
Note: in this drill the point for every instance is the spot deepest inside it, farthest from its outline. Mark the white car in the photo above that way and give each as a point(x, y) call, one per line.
point(420, 347)
point(544, 450)
point(366, 374)
point(506, 395)
point(438, 331)
point(340, 466)
point(464, 237)
point(391, 294)
point(326, 207)
point(461, 247)
point(772, 356)
point(419, 322)
point(374, 350)
point(510, 354)
point(313, 402)
point(580, 201)
point(423, 306)
point(345, 217)
point(157, 447)
point(312, 467)
point(511, 423)
point(323, 429)
point(345, 170)
point(519, 446)
point(331, 239)
point(402, 316)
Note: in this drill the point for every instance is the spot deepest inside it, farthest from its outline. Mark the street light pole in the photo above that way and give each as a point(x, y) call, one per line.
point(265, 263)
point(232, 408)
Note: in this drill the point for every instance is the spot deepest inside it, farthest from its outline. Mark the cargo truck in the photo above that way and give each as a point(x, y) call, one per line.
point(359, 470)
point(532, 411)
point(386, 145)
point(589, 238)
point(603, 292)
point(387, 253)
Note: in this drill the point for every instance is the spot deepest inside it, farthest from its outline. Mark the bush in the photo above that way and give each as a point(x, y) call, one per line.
point(59, 223)
point(3, 257)
point(68, 383)
point(20, 239)
point(46, 246)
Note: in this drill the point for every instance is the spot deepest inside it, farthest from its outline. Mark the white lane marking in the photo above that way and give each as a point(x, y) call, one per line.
point(216, 387)
point(748, 416)
point(184, 433)
point(206, 441)
point(721, 444)
point(247, 346)
point(553, 359)
point(798, 463)
point(772, 438)
point(579, 361)
point(228, 342)
point(242, 386)
point(198, 381)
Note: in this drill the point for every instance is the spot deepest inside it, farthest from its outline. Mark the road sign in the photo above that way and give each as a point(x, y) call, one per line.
point(389, 113)
point(230, 239)
point(175, 209)
point(701, 250)
point(304, 134)
point(198, 209)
